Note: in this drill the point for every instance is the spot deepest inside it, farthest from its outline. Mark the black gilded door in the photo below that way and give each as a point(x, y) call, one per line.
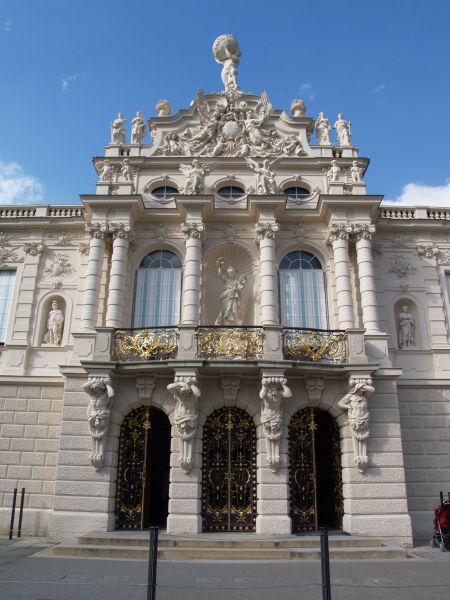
point(142, 495)
point(229, 471)
point(315, 471)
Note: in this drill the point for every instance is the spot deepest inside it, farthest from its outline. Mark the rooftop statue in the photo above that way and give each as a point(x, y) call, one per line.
point(227, 53)
point(118, 130)
point(138, 128)
point(343, 130)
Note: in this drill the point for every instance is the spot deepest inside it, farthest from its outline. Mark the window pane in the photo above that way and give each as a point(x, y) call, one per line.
point(157, 297)
point(165, 191)
point(296, 192)
point(6, 293)
point(302, 299)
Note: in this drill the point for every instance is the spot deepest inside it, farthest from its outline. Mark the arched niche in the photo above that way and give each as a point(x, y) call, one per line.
point(46, 306)
point(238, 257)
point(408, 334)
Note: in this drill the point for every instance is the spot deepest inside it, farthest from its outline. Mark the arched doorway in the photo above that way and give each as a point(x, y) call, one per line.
point(142, 495)
point(229, 471)
point(315, 475)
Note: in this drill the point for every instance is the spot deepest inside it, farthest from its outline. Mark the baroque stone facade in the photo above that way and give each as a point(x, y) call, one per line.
point(232, 261)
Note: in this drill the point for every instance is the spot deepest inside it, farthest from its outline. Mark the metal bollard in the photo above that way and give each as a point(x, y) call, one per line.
point(22, 498)
point(13, 514)
point(325, 563)
point(152, 563)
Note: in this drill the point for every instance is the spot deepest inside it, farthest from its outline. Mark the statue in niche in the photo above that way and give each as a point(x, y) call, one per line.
point(355, 402)
point(265, 177)
point(195, 177)
point(333, 172)
point(227, 53)
point(55, 323)
point(273, 390)
point(187, 393)
point(101, 393)
point(343, 130)
point(231, 296)
point(356, 172)
point(138, 128)
point(406, 337)
point(323, 130)
point(127, 170)
point(118, 130)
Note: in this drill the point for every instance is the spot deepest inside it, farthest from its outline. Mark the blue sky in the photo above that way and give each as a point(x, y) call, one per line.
point(68, 66)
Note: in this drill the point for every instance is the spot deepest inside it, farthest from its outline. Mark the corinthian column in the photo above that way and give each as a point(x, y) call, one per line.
point(98, 233)
point(268, 285)
point(366, 276)
point(338, 238)
point(190, 310)
point(117, 277)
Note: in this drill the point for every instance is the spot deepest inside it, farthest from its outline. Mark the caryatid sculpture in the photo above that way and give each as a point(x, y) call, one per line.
point(101, 393)
point(355, 402)
point(323, 130)
point(118, 130)
point(231, 296)
point(187, 393)
point(227, 53)
point(343, 130)
point(138, 128)
point(55, 324)
point(273, 390)
point(406, 338)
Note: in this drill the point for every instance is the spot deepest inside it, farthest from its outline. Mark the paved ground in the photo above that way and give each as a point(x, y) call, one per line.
point(27, 577)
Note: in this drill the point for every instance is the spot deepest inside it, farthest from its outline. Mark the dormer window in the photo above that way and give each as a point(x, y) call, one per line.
point(296, 193)
point(164, 192)
point(231, 192)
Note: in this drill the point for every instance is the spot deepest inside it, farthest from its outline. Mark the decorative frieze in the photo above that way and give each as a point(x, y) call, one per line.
point(59, 268)
point(34, 248)
point(7, 253)
point(427, 250)
point(401, 266)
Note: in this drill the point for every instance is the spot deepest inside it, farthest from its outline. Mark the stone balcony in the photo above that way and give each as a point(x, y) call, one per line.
point(292, 347)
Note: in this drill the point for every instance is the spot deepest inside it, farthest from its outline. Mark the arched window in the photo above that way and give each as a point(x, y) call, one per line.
point(231, 192)
point(297, 193)
point(157, 290)
point(165, 192)
point(302, 291)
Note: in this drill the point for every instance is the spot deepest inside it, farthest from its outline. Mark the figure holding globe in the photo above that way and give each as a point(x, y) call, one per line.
point(227, 53)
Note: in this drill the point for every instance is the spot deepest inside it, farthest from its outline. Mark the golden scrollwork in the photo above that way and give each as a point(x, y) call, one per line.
point(315, 345)
point(145, 344)
point(230, 343)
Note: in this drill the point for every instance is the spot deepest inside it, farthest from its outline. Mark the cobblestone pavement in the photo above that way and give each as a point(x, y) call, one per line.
point(27, 577)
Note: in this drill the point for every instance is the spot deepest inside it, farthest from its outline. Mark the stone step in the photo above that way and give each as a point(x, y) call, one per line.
point(141, 539)
point(230, 554)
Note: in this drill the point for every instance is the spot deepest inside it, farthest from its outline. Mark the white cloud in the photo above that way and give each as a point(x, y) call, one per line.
point(306, 89)
point(16, 187)
point(7, 26)
point(379, 88)
point(65, 83)
point(418, 194)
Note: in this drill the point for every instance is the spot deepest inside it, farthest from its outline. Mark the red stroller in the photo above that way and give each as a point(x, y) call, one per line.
point(441, 536)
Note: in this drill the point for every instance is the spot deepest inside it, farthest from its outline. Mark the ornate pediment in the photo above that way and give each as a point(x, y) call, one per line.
point(229, 123)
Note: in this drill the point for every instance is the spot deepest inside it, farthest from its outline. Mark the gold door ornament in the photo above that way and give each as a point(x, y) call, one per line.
point(229, 471)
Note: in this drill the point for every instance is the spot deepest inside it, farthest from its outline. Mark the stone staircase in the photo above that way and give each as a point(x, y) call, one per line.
point(224, 547)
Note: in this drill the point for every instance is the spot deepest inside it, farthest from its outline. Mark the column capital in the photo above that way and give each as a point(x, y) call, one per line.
point(363, 231)
point(266, 230)
point(98, 231)
point(192, 230)
point(338, 231)
point(120, 231)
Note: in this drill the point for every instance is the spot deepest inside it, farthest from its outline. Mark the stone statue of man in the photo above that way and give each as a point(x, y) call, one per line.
point(55, 323)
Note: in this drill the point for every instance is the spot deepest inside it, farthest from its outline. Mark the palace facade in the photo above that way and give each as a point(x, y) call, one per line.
point(230, 334)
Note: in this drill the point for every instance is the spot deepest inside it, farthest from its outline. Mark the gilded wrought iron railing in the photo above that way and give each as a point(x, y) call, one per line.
point(230, 343)
point(134, 345)
point(315, 345)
